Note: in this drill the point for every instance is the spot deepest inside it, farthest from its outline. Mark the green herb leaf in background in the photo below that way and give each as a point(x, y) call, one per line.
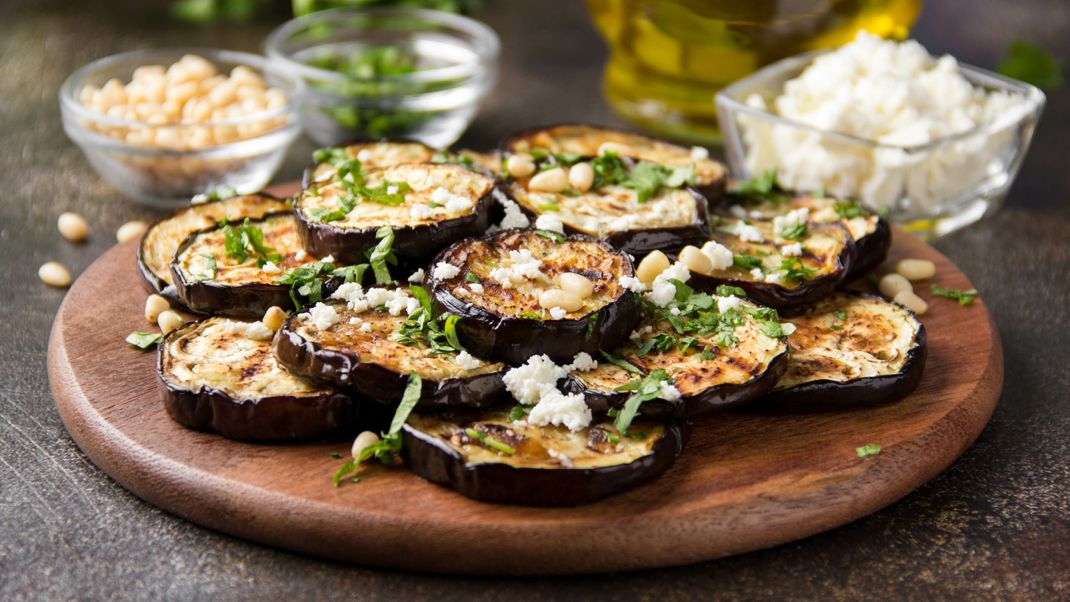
point(1031, 63)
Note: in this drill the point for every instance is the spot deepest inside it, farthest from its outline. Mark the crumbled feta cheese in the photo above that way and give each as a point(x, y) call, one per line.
point(514, 217)
point(199, 199)
point(726, 303)
point(662, 291)
point(421, 211)
point(379, 296)
point(392, 189)
point(638, 334)
point(747, 232)
point(792, 250)
point(476, 288)
point(328, 259)
point(719, 255)
point(757, 273)
point(555, 408)
point(787, 327)
point(632, 283)
point(900, 96)
point(583, 361)
point(791, 219)
point(444, 271)
point(774, 277)
point(699, 153)
point(674, 311)
point(270, 268)
point(668, 391)
point(258, 332)
point(467, 361)
point(353, 294)
point(528, 382)
point(522, 265)
point(364, 155)
point(365, 327)
point(417, 276)
point(323, 316)
point(454, 203)
point(550, 221)
point(356, 321)
point(557, 313)
point(738, 211)
point(300, 255)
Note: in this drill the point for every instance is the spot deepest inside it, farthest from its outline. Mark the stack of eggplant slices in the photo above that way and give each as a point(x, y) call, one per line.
point(537, 325)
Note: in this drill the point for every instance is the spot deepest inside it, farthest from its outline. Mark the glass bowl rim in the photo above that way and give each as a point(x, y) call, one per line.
point(487, 46)
point(69, 90)
point(731, 98)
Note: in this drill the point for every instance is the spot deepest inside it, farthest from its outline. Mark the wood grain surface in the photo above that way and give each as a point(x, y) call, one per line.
point(746, 481)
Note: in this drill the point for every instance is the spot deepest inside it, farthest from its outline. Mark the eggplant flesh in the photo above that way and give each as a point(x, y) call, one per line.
point(233, 288)
point(422, 225)
point(371, 154)
point(370, 361)
point(160, 242)
point(735, 375)
point(505, 321)
point(871, 233)
point(213, 377)
point(587, 140)
point(779, 279)
point(850, 350)
point(672, 218)
point(548, 466)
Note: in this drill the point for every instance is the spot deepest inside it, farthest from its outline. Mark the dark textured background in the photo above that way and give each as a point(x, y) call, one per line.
point(996, 525)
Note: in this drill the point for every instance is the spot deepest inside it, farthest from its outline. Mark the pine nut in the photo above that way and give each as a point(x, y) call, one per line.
point(556, 297)
point(72, 226)
point(131, 230)
point(651, 265)
point(912, 302)
point(520, 166)
point(916, 269)
point(54, 274)
point(154, 306)
point(574, 283)
point(551, 180)
point(362, 442)
point(168, 321)
point(892, 284)
point(274, 317)
point(581, 176)
point(696, 260)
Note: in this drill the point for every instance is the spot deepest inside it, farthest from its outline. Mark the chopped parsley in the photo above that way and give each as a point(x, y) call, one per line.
point(351, 177)
point(389, 445)
point(745, 261)
point(334, 155)
point(642, 389)
point(245, 240)
point(965, 298)
point(423, 327)
point(645, 178)
point(470, 277)
point(795, 232)
point(488, 441)
point(724, 290)
point(763, 186)
point(795, 270)
point(144, 340)
point(551, 235)
point(381, 256)
point(869, 449)
point(620, 362)
point(839, 316)
point(1031, 63)
point(444, 156)
point(519, 412)
point(848, 209)
point(592, 323)
point(551, 206)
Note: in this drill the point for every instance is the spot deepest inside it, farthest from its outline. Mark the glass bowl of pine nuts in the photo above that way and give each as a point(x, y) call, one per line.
point(163, 125)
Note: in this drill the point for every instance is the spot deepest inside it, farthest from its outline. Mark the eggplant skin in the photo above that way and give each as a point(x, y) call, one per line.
point(584, 139)
point(212, 212)
point(488, 334)
point(431, 459)
point(715, 398)
point(269, 418)
point(871, 250)
point(347, 372)
point(826, 394)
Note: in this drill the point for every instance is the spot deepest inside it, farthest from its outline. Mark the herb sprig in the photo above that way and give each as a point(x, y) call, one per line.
point(964, 297)
point(389, 445)
point(643, 389)
point(245, 240)
point(423, 327)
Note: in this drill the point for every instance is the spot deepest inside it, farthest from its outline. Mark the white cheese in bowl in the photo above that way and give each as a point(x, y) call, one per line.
point(898, 96)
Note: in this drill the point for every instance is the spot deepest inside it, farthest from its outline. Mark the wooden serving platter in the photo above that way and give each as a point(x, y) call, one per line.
point(745, 481)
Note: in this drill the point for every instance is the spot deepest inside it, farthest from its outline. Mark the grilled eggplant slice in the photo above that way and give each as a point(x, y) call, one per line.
point(871, 233)
point(370, 154)
point(497, 287)
point(431, 206)
point(547, 466)
point(214, 377)
point(779, 272)
point(710, 369)
point(587, 140)
point(373, 362)
point(850, 350)
point(209, 280)
point(158, 245)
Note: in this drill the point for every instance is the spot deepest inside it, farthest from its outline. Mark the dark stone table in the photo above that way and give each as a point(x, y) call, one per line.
point(996, 525)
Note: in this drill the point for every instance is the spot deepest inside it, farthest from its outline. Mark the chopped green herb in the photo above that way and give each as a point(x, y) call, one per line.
point(724, 290)
point(841, 314)
point(470, 277)
point(333, 155)
point(210, 267)
point(144, 340)
point(965, 298)
point(531, 315)
point(869, 449)
point(519, 412)
point(643, 389)
point(592, 323)
point(335, 455)
point(549, 207)
point(245, 240)
point(488, 441)
point(620, 362)
point(746, 261)
point(423, 327)
point(795, 270)
point(1031, 63)
point(306, 281)
point(381, 257)
point(551, 235)
point(763, 186)
point(389, 445)
point(795, 232)
point(848, 209)
point(707, 354)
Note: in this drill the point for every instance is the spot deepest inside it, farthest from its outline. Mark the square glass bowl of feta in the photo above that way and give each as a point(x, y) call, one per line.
point(931, 143)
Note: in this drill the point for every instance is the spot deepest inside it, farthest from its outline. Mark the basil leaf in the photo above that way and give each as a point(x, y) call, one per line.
point(144, 340)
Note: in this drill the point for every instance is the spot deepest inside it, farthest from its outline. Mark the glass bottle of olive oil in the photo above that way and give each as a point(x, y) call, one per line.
point(669, 57)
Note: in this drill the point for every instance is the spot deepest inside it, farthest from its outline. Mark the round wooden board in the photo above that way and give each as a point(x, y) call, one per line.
point(745, 481)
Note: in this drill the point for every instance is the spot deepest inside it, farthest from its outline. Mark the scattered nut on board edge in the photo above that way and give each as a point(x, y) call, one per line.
point(72, 226)
point(169, 320)
point(130, 230)
point(54, 274)
point(154, 306)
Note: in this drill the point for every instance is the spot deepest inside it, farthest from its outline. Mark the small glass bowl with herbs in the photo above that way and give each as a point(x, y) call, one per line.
point(388, 72)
